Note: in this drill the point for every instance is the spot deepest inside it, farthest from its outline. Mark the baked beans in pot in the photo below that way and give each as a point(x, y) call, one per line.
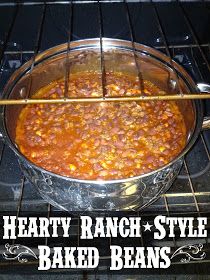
point(116, 178)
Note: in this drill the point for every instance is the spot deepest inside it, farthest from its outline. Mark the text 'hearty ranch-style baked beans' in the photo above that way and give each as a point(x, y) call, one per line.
point(100, 141)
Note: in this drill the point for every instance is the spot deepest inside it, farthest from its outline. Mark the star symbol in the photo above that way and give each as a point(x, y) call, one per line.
point(147, 226)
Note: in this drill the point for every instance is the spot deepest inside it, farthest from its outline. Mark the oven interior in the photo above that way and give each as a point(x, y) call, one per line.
point(175, 29)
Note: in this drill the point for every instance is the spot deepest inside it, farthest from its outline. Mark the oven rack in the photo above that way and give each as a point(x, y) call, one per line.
point(190, 193)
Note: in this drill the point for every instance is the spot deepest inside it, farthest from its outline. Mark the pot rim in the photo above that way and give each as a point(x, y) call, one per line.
point(94, 43)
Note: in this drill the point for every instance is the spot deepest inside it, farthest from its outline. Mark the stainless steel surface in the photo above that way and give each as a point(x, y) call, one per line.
point(182, 198)
point(125, 194)
point(205, 88)
point(206, 123)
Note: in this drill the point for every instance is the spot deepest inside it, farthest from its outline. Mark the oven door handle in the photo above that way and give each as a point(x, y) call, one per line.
point(205, 88)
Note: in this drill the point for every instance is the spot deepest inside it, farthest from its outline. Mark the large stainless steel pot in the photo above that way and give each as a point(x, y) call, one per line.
point(125, 194)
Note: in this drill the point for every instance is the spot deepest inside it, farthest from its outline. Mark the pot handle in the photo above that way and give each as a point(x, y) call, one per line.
point(205, 88)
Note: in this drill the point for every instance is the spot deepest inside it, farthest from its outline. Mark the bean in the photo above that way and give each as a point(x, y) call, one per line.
point(129, 152)
point(119, 144)
point(101, 140)
point(103, 173)
point(137, 135)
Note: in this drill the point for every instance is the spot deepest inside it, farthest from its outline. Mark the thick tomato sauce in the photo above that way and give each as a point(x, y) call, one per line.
point(100, 141)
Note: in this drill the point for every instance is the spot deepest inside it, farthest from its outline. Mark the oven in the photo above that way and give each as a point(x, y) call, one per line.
point(179, 29)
